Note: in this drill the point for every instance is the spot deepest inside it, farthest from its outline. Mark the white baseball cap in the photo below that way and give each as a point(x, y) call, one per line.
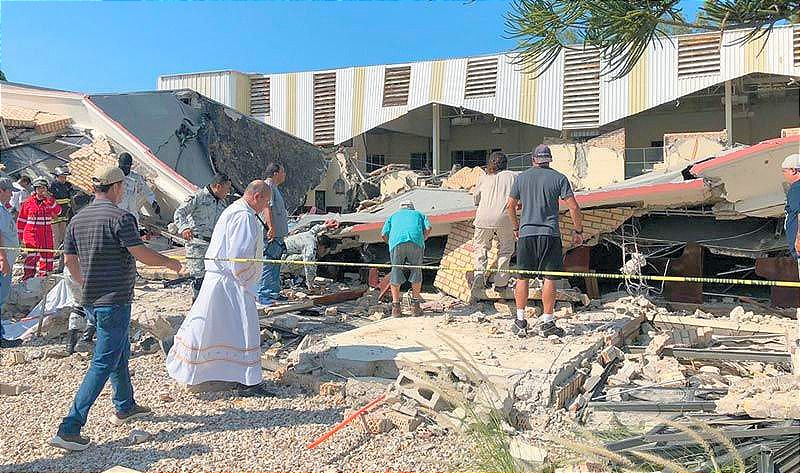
point(791, 162)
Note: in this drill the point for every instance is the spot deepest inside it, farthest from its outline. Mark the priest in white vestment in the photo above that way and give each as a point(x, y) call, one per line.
point(220, 338)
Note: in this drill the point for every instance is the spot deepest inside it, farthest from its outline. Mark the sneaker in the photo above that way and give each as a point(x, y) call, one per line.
point(416, 309)
point(73, 443)
point(397, 309)
point(257, 390)
point(550, 328)
point(137, 412)
point(6, 343)
point(520, 328)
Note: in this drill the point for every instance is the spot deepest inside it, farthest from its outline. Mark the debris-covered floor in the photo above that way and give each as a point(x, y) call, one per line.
point(626, 372)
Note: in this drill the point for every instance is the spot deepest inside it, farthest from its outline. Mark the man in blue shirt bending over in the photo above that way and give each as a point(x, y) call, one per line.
point(405, 232)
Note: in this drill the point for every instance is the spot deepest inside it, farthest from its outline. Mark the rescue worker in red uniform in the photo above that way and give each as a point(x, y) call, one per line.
point(35, 228)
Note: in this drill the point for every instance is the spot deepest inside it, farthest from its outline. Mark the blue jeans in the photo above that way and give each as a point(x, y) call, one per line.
point(271, 274)
point(110, 361)
point(5, 289)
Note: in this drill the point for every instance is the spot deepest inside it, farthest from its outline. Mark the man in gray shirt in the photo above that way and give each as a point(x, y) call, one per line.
point(538, 190)
point(277, 224)
point(8, 238)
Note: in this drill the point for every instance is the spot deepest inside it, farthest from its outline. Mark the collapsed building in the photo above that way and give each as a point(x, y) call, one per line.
point(178, 140)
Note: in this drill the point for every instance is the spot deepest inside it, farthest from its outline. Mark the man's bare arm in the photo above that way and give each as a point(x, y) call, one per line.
point(154, 258)
point(511, 210)
point(73, 264)
point(577, 218)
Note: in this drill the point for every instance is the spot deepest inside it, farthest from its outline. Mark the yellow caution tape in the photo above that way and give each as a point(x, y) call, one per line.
point(562, 274)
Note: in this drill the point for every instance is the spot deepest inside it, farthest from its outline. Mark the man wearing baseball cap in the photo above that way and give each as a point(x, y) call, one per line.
point(101, 245)
point(538, 190)
point(791, 174)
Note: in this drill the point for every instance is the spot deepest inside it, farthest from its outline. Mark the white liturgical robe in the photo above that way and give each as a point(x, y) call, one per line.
point(220, 339)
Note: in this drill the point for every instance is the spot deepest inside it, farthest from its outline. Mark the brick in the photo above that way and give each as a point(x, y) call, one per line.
point(658, 343)
point(403, 422)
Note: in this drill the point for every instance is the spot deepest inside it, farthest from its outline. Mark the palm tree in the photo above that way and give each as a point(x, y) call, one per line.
point(623, 29)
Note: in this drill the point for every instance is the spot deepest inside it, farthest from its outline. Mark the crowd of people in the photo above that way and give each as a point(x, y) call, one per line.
point(219, 339)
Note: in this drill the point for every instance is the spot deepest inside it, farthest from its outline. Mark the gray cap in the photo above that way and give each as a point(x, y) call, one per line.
point(407, 204)
point(791, 162)
point(542, 154)
point(6, 184)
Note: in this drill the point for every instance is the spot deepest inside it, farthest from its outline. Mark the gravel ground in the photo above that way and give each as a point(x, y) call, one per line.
point(198, 431)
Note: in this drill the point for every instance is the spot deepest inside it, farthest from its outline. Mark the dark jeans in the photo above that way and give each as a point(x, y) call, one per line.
point(5, 289)
point(271, 274)
point(110, 361)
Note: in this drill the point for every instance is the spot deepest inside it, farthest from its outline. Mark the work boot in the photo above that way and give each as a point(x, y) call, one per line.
point(550, 328)
point(72, 340)
point(416, 310)
point(397, 309)
point(88, 334)
point(520, 328)
point(6, 343)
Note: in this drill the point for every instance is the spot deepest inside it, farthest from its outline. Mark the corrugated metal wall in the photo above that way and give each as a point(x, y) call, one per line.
point(359, 91)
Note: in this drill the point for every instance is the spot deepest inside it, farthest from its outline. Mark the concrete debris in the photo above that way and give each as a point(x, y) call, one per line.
point(465, 178)
point(528, 457)
point(12, 389)
point(14, 358)
point(402, 421)
point(773, 398)
point(658, 343)
point(139, 436)
point(667, 372)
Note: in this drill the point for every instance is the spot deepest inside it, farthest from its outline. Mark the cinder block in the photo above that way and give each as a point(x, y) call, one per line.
point(420, 391)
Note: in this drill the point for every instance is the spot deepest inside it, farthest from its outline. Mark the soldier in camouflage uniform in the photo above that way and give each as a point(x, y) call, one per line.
point(195, 220)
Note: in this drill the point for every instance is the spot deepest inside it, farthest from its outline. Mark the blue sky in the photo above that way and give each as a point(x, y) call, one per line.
point(124, 46)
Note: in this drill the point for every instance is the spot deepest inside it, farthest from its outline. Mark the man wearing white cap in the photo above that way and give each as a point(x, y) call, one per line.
point(406, 231)
point(539, 239)
point(101, 245)
point(791, 174)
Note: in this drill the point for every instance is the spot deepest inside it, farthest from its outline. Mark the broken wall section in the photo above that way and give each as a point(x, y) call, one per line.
point(683, 149)
point(592, 164)
point(460, 250)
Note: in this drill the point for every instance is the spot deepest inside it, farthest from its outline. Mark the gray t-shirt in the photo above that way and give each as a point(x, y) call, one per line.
point(8, 233)
point(100, 235)
point(538, 189)
point(280, 216)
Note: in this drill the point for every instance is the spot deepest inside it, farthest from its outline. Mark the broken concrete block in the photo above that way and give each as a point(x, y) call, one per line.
point(629, 371)
point(658, 343)
point(455, 420)
point(139, 436)
point(285, 377)
point(529, 457)
point(331, 312)
point(579, 403)
point(331, 388)
point(667, 372)
point(403, 422)
point(610, 354)
point(497, 399)
point(421, 391)
point(477, 317)
point(617, 394)
point(12, 389)
point(14, 358)
point(375, 422)
point(709, 369)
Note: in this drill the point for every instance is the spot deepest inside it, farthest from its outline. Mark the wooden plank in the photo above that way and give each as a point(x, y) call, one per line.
point(337, 297)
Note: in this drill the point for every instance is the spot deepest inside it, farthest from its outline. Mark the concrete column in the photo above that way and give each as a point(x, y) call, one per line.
point(436, 141)
point(729, 111)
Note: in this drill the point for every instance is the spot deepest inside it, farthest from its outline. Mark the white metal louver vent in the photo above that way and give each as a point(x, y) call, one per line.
point(698, 54)
point(581, 107)
point(481, 77)
point(324, 108)
point(259, 95)
point(796, 40)
point(396, 82)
